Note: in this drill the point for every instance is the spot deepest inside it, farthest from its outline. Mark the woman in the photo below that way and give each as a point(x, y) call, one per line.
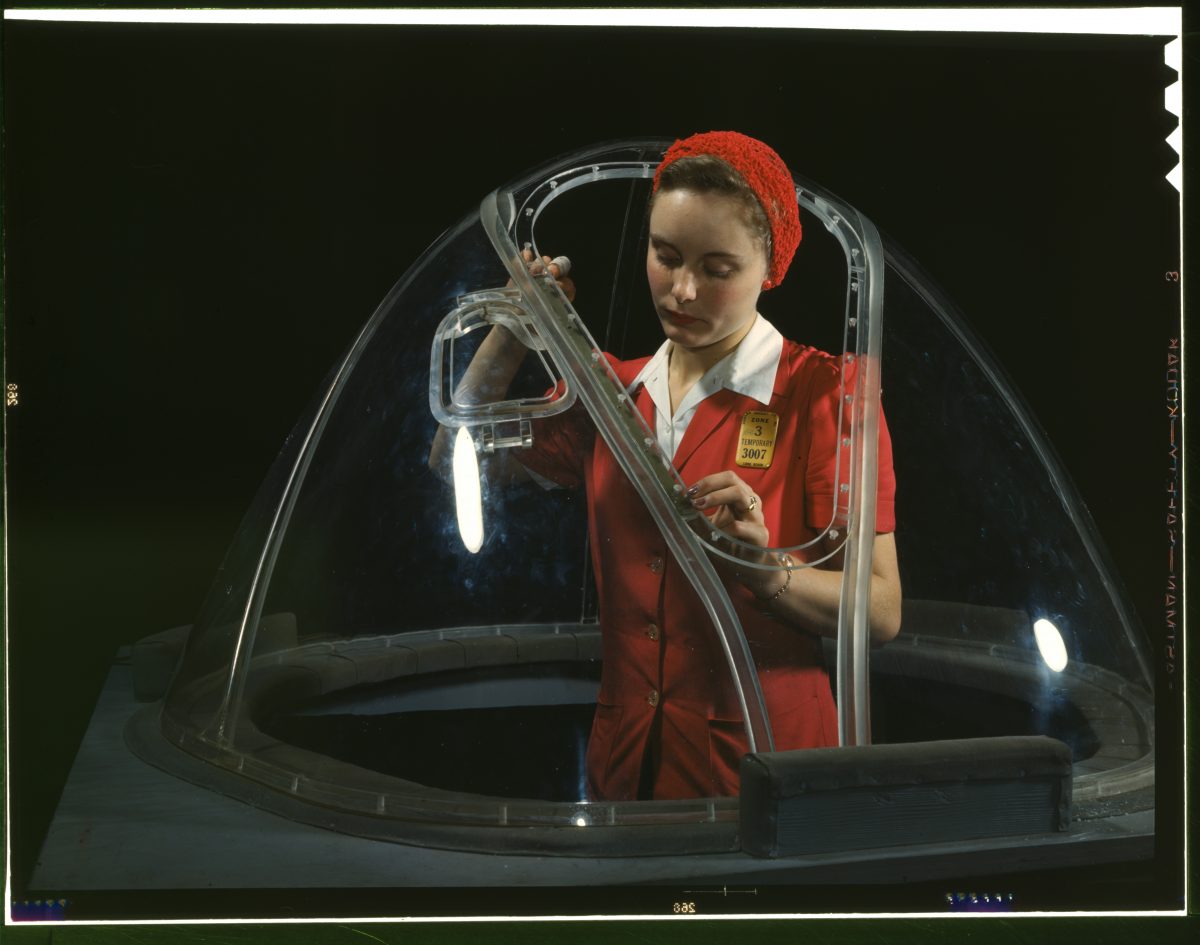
point(724, 226)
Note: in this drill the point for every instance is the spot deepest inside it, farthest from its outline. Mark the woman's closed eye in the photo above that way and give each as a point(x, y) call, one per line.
point(671, 262)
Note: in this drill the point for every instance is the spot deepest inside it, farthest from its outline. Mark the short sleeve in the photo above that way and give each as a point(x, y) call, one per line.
point(561, 445)
point(828, 454)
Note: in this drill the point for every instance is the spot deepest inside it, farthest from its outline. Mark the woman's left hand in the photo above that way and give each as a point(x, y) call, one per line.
point(731, 506)
point(734, 508)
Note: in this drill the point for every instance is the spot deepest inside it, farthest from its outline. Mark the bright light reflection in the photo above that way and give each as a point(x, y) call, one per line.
point(580, 821)
point(467, 499)
point(1050, 644)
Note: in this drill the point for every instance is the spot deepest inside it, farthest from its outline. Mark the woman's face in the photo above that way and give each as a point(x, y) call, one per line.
point(705, 268)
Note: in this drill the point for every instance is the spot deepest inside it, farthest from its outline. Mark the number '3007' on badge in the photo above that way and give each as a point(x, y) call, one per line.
point(756, 445)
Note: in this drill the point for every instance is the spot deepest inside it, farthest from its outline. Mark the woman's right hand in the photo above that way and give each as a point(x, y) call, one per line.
point(538, 266)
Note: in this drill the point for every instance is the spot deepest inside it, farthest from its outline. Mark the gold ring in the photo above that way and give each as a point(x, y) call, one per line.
point(753, 503)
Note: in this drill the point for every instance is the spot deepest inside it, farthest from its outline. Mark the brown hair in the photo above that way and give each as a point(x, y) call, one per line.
point(708, 174)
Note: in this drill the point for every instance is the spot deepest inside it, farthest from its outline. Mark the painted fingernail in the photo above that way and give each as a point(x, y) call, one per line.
point(698, 503)
point(692, 491)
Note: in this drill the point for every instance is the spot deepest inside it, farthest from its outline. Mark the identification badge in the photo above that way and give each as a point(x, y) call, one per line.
point(756, 446)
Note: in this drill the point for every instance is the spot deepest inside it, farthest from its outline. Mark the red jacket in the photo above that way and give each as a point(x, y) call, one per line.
point(665, 684)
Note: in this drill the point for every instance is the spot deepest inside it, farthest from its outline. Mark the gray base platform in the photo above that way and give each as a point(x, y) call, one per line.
point(124, 825)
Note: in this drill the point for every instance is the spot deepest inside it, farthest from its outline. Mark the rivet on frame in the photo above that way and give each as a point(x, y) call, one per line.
point(845, 487)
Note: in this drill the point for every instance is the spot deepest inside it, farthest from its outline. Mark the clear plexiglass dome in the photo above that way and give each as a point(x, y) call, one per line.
point(381, 654)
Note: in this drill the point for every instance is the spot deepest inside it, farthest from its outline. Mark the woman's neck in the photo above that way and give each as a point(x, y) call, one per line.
point(687, 365)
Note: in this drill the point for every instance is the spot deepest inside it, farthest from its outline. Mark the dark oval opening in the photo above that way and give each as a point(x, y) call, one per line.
point(501, 731)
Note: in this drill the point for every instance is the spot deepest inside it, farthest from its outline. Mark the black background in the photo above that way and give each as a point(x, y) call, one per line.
point(198, 220)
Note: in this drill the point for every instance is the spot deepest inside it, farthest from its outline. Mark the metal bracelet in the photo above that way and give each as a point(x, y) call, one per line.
point(788, 563)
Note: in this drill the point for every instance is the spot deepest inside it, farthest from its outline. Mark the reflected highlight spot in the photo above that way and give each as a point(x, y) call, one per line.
point(1050, 644)
point(467, 499)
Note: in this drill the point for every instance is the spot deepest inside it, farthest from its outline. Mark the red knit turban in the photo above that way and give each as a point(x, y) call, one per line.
point(767, 176)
